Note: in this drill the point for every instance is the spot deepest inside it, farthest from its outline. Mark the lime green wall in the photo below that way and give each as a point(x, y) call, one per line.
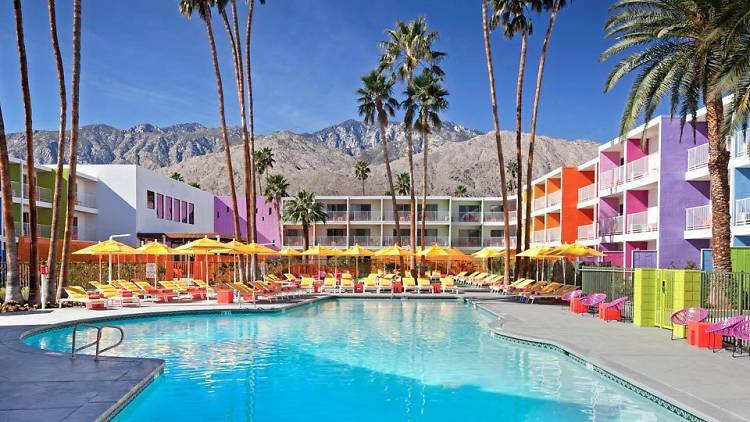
point(652, 304)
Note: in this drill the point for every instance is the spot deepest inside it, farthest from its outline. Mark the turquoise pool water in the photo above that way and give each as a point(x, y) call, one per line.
point(358, 360)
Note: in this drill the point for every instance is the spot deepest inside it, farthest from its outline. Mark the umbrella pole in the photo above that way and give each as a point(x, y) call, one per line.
point(100, 268)
point(110, 268)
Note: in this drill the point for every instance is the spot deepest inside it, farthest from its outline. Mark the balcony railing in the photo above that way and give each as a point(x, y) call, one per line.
point(640, 168)
point(587, 193)
point(540, 203)
point(467, 242)
point(43, 230)
point(697, 157)
point(336, 216)
point(331, 240)
point(294, 241)
point(741, 144)
point(611, 225)
point(742, 212)
point(612, 178)
point(364, 216)
point(639, 222)
point(467, 217)
point(364, 241)
point(391, 240)
point(86, 200)
point(586, 232)
point(403, 216)
point(554, 198)
point(499, 242)
point(553, 234)
point(42, 194)
point(538, 236)
point(433, 240)
point(434, 216)
point(698, 218)
point(498, 216)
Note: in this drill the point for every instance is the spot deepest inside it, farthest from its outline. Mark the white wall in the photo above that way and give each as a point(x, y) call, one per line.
point(115, 200)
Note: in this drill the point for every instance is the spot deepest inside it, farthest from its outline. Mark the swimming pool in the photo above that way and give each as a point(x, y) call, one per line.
point(345, 360)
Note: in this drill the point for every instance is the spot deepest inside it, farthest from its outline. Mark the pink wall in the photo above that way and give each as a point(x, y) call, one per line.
point(636, 201)
point(609, 207)
point(608, 160)
point(266, 218)
point(633, 149)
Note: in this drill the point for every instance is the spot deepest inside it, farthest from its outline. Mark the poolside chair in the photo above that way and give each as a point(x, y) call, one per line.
point(424, 284)
point(446, 284)
point(371, 283)
point(459, 276)
point(497, 286)
point(540, 289)
point(385, 284)
point(116, 297)
point(740, 332)
point(464, 278)
point(593, 300)
point(686, 316)
point(725, 327)
point(347, 284)
point(268, 290)
point(307, 283)
point(518, 287)
point(477, 278)
point(291, 277)
point(558, 294)
point(329, 284)
point(77, 294)
point(409, 284)
point(568, 297)
point(609, 311)
point(182, 292)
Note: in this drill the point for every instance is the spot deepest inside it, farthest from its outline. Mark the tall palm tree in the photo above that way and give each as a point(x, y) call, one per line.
point(303, 209)
point(511, 169)
point(409, 47)
point(176, 176)
point(75, 85)
point(735, 75)
point(554, 8)
point(460, 191)
point(264, 161)
point(674, 54)
point(276, 189)
point(57, 195)
point(203, 7)
point(376, 104)
point(249, 150)
point(12, 279)
point(512, 15)
point(403, 184)
point(361, 172)
point(30, 169)
point(425, 99)
point(498, 140)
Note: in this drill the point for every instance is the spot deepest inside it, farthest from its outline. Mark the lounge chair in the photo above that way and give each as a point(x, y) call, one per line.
point(424, 284)
point(499, 286)
point(593, 300)
point(464, 278)
point(248, 294)
point(541, 288)
point(477, 278)
point(114, 296)
point(291, 277)
point(346, 284)
point(446, 284)
point(518, 286)
point(371, 283)
point(492, 279)
point(459, 276)
point(329, 284)
point(409, 284)
point(559, 294)
point(725, 327)
point(182, 292)
point(307, 283)
point(77, 294)
point(385, 284)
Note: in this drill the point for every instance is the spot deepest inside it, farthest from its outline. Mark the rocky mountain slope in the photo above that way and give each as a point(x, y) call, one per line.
point(321, 161)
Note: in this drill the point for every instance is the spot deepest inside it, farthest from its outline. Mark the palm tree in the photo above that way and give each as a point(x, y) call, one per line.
point(511, 169)
point(195, 184)
point(203, 7)
point(276, 189)
point(425, 99)
point(676, 56)
point(735, 75)
point(512, 15)
point(176, 176)
point(408, 47)
point(264, 161)
point(12, 279)
point(304, 210)
point(376, 104)
point(459, 191)
point(361, 172)
point(30, 169)
point(403, 184)
point(75, 85)
point(57, 195)
point(498, 140)
point(249, 150)
point(554, 8)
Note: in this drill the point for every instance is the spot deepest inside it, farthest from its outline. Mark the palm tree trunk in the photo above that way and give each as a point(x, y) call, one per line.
point(424, 188)
point(30, 169)
point(57, 197)
point(535, 109)
point(306, 234)
point(363, 187)
point(12, 280)
point(250, 155)
point(389, 176)
point(412, 198)
point(277, 205)
point(73, 148)
point(519, 158)
point(222, 116)
point(498, 142)
point(718, 164)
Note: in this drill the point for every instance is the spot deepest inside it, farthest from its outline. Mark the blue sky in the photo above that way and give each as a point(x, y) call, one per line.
point(143, 62)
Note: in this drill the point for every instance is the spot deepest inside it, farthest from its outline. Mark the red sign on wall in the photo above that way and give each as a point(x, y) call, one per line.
point(44, 269)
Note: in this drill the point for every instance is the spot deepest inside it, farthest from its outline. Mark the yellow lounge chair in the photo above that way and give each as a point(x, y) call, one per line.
point(385, 284)
point(446, 283)
point(409, 284)
point(77, 294)
point(329, 283)
point(346, 284)
point(371, 283)
point(115, 296)
point(307, 283)
point(424, 284)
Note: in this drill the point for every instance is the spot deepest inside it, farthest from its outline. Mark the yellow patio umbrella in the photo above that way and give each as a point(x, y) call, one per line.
point(156, 249)
point(394, 251)
point(201, 246)
point(289, 253)
point(257, 249)
point(488, 252)
point(233, 248)
point(356, 251)
point(539, 252)
point(574, 250)
point(320, 251)
point(108, 247)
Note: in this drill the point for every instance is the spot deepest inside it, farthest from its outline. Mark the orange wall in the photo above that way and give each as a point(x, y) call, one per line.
point(538, 223)
point(553, 220)
point(572, 180)
point(538, 190)
point(553, 185)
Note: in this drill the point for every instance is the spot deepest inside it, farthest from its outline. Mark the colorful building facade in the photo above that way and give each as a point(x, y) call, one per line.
point(268, 227)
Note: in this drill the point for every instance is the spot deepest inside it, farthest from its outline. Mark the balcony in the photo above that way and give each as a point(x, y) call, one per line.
point(697, 157)
point(331, 241)
point(467, 242)
point(553, 234)
point(391, 240)
point(364, 216)
point(586, 232)
point(698, 218)
point(434, 216)
point(640, 168)
point(43, 230)
point(86, 200)
point(640, 222)
point(611, 178)
point(741, 145)
point(540, 203)
point(587, 193)
point(742, 212)
point(367, 241)
point(79, 234)
point(498, 216)
point(336, 216)
point(554, 198)
point(538, 236)
point(42, 194)
point(435, 240)
point(467, 217)
point(499, 242)
point(611, 226)
point(403, 216)
point(294, 241)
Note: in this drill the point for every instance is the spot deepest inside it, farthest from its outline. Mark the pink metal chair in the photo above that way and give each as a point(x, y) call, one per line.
point(725, 327)
point(567, 297)
point(617, 304)
point(740, 332)
point(593, 300)
point(687, 316)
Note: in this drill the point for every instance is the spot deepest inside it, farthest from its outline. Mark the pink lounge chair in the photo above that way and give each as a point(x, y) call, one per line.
point(593, 300)
point(740, 332)
point(617, 304)
point(567, 297)
point(687, 316)
point(725, 327)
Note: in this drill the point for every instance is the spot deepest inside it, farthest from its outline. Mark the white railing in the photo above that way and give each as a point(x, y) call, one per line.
point(391, 240)
point(586, 232)
point(587, 192)
point(697, 157)
point(553, 234)
point(86, 199)
point(540, 203)
point(467, 242)
point(467, 217)
point(741, 144)
point(742, 212)
point(434, 216)
point(364, 241)
point(42, 194)
point(499, 242)
point(554, 198)
point(42, 230)
point(612, 178)
point(364, 216)
point(336, 216)
point(639, 223)
point(294, 241)
point(403, 216)
point(697, 218)
point(611, 225)
point(640, 168)
point(498, 216)
point(331, 240)
point(538, 236)
point(433, 240)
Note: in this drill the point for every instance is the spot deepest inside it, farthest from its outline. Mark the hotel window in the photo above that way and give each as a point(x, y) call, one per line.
point(184, 211)
point(176, 210)
point(159, 205)
point(191, 213)
point(168, 208)
point(150, 203)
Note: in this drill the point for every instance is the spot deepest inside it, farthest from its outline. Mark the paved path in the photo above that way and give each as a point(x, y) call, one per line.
point(709, 385)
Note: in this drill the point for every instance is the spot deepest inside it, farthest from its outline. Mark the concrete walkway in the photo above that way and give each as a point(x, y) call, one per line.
point(713, 386)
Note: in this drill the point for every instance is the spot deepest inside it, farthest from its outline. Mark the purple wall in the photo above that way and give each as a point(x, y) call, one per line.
point(676, 194)
point(267, 220)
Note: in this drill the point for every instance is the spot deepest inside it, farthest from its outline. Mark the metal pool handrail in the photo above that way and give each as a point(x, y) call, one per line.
point(97, 342)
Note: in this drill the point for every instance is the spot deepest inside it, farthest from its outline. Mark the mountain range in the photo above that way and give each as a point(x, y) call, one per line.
point(321, 161)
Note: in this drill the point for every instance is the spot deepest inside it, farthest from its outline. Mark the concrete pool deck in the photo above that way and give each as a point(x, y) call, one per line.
point(713, 386)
